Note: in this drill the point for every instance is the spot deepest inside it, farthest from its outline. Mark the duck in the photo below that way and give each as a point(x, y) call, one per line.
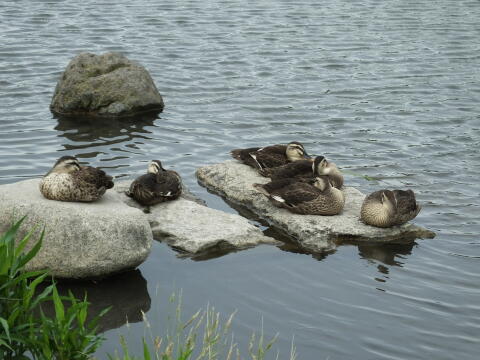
point(69, 181)
point(314, 197)
point(270, 156)
point(156, 186)
point(321, 166)
point(300, 169)
point(387, 208)
point(305, 170)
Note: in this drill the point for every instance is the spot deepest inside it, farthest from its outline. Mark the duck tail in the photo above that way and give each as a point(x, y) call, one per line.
point(236, 154)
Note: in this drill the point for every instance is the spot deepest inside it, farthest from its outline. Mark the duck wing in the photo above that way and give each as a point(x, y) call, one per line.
point(142, 189)
point(168, 184)
point(296, 193)
point(243, 154)
point(274, 185)
point(300, 168)
point(94, 176)
point(265, 157)
point(407, 207)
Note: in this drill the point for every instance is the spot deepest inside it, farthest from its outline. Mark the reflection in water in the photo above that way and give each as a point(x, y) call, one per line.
point(84, 133)
point(125, 293)
point(385, 253)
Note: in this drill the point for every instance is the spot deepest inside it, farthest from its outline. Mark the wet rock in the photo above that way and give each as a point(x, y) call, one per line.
point(107, 85)
point(314, 233)
point(82, 240)
point(188, 225)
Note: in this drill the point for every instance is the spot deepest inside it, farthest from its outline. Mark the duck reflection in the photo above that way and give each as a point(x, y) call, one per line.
point(388, 254)
point(125, 293)
point(83, 133)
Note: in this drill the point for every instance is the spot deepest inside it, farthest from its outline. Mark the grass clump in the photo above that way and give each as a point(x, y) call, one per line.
point(25, 331)
point(202, 336)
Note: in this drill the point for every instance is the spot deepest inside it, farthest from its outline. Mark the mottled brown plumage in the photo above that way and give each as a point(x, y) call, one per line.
point(68, 181)
point(313, 197)
point(324, 167)
point(158, 185)
point(270, 156)
point(386, 208)
point(297, 169)
point(306, 170)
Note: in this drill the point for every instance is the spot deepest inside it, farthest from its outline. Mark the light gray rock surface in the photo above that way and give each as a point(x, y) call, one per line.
point(82, 240)
point(194, 228)
point(234, 180)
point(107, 85)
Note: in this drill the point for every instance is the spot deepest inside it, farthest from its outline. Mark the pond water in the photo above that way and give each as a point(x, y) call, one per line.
point(388, 89)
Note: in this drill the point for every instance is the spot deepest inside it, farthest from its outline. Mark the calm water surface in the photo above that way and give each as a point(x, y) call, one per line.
point(389, 89)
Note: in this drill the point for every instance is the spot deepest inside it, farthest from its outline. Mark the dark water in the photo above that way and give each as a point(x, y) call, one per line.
point(388, 89)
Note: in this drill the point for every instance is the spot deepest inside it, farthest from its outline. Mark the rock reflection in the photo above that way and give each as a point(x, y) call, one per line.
point(125, 293)
point(84, 133)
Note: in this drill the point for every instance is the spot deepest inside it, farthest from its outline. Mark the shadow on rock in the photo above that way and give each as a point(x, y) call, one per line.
point(125, 293)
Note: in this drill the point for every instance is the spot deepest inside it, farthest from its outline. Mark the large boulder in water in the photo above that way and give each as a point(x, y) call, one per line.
point(82, 240)
point(108, 85)
point(314, 233)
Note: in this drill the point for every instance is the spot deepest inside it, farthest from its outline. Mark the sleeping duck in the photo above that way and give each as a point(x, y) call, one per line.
point(270, 156)
point(386, 208)
point(68, 181)
point(156, 186)
point(300, 169)
point(314, 197)
point(322, 166)
point(306, 169)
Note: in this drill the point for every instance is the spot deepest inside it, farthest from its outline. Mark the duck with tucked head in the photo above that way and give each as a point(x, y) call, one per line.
point(386, 208)
point(270, 156)
point(300, 169)
point(314, 197)
point(305, 170)
point(156, 186)
point(321, 166)
point(68, 181)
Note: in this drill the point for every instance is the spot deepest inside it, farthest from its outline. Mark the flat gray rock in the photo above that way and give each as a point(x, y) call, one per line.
point(107, 85)
point(234, 180)
point(82, 240)
point(194, 228)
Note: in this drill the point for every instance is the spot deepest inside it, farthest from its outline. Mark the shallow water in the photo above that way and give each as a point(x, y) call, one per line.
point(384, 88)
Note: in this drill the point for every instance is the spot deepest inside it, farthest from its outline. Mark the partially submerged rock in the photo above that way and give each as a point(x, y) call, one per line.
point(107, 85)
point(82, 240)
point(187, 225)
point(315, 233)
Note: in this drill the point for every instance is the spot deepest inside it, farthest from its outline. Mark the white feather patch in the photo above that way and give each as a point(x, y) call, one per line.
point(255, 158)
point(278, 198)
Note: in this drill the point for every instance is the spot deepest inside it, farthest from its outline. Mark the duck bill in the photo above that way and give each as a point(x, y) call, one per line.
point(306, 156)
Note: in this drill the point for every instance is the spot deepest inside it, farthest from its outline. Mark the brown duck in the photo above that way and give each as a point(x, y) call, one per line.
point(386, 208)
point(270, 156)
point(68, 181)
point(314, 197)
point(322, 166)
point(305, 170)
point(156, 186)
point(301, 169)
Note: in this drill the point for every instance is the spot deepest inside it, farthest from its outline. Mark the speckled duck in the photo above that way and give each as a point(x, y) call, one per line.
point(386, 208)
point(68, 181)
point(315, 197)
